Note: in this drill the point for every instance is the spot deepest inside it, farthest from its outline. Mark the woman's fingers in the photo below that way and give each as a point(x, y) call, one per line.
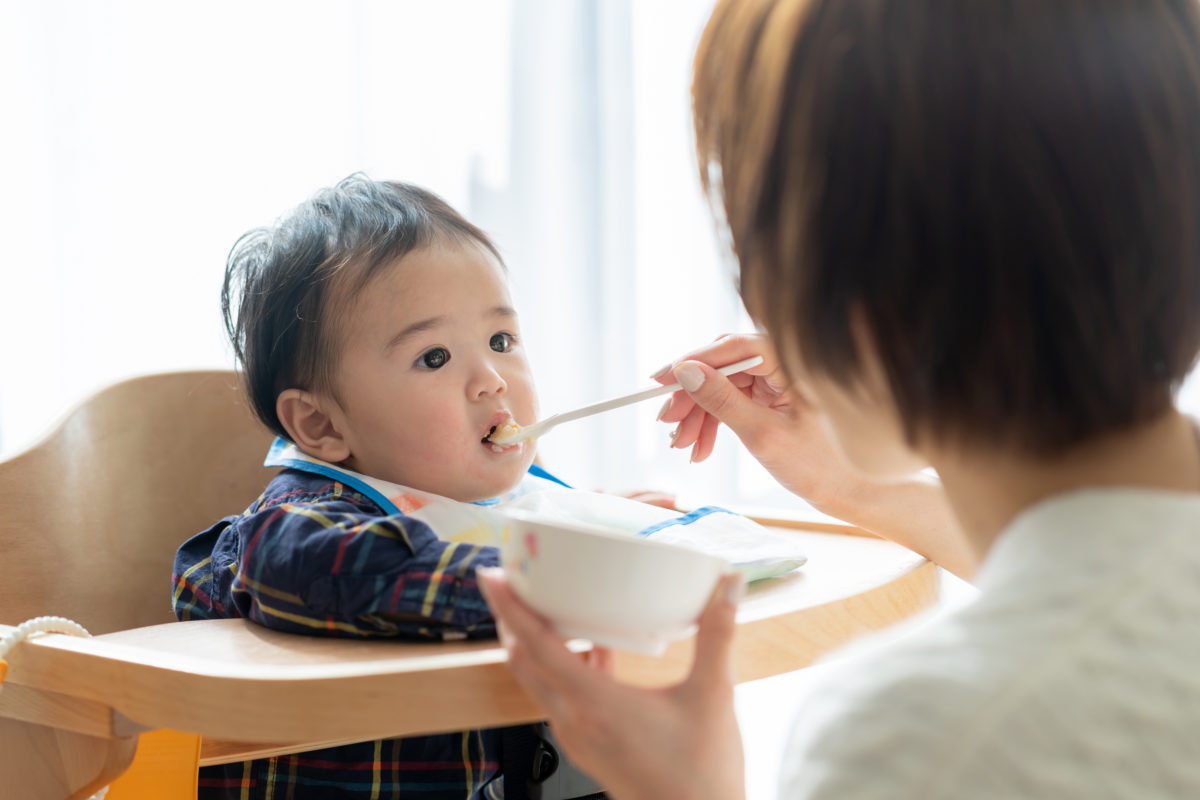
point(725, 350)
point(539, 660)
point(678, 406)
point(708, 693)
point(603, 659)
point(652, 497)
point(707, 440)
point(604, 726)
point(747, 404)
point(716, 395)
point(688, 429)
point(712, 668)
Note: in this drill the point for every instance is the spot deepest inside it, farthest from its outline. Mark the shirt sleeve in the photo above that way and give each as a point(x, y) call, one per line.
point(196, 592)
point(334, 568)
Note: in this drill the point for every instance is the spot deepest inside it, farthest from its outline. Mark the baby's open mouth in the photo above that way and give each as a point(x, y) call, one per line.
point(500, 434)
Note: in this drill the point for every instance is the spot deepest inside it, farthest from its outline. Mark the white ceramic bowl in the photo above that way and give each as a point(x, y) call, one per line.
point(616, 589)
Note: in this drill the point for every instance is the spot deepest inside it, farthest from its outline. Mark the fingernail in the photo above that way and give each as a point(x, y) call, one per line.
point(662, 412)
point(690, 376)
point(662, 371)
point(482, 576)
point(504, 636)
point(735, 588)
point(674, 435)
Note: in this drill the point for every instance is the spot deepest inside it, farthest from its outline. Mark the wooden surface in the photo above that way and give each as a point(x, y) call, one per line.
point(91, 516)
point(90, 519)
point(852, 584)
point(52, 764)
point(235, 681)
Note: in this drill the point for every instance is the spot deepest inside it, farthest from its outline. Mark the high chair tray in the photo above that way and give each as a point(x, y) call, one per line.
point(235, 680)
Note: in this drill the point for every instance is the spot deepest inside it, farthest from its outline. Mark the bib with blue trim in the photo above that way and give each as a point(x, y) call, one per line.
point(755, 551)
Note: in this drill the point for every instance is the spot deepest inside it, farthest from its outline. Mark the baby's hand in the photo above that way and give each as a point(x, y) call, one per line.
point(651, 497)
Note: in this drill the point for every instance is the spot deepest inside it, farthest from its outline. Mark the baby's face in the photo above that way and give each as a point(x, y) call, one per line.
point(431, 360)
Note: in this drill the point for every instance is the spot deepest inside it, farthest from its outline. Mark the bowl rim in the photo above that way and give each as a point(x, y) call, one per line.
point(594, 529)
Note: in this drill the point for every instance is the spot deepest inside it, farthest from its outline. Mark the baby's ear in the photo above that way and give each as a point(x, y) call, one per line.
point(308, 420)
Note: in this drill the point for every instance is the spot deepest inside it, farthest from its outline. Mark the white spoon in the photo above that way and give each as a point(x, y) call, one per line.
point(513, 433)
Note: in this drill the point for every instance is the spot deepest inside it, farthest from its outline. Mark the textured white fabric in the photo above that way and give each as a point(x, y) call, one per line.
point(1074, 674)
point(755, 551)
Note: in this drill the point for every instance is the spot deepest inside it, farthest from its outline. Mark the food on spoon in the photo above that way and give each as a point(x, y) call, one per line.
point(499, 434)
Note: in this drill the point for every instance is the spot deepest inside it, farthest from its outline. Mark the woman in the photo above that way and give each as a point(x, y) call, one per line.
point(971, 232)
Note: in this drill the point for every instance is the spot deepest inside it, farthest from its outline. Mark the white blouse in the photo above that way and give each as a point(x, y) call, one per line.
point(1074, 674)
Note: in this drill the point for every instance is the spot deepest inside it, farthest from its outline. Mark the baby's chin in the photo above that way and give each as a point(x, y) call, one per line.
point(487, 487)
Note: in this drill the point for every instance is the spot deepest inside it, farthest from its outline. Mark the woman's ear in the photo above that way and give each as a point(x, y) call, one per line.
point(312, 423)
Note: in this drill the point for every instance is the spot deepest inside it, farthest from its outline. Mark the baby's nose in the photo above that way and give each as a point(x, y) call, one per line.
point(487, 380)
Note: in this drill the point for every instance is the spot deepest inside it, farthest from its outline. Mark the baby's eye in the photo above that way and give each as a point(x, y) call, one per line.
point(435, 358)
point(501, 342)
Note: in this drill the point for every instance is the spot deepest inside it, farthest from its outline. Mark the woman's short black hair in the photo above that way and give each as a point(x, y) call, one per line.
point(1005, 193)
point(278, 279)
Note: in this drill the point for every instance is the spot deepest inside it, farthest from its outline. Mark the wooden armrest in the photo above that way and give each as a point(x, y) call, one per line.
point(811, 520)
point(233, 679)
point(253, 691)
point(781, 519)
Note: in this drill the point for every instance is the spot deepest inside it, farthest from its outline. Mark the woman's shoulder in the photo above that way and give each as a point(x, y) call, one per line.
point(878, 719)
point(1006, 689)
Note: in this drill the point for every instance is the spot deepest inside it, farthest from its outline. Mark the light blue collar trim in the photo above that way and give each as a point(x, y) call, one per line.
point(284, 454)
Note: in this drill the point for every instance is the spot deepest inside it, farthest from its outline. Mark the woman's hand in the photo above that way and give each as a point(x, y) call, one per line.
point(789, 438)
point(651, 497)
point(678, 742)
point(768, 414)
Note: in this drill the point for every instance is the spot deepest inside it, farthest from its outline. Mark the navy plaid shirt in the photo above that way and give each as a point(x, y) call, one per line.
point(313, 556)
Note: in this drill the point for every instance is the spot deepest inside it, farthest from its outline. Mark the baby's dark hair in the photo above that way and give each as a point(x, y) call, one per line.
point(275, 298)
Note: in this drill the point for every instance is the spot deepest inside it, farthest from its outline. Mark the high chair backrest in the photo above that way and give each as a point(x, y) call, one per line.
point(91, 516)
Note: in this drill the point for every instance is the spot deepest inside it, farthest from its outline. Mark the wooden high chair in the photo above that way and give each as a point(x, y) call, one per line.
point(90, 519)
point(89, 522)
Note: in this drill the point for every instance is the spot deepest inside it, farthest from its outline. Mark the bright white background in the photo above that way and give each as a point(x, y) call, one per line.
point(142, 138)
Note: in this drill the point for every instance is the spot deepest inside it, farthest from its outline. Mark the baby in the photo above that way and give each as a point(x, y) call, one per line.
point(377, 338)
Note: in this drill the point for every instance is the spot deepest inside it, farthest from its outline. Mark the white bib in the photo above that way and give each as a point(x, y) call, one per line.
point(752, 549)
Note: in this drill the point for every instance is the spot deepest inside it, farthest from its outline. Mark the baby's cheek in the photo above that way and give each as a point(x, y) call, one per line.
point(439, 419)
point(530, 404)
